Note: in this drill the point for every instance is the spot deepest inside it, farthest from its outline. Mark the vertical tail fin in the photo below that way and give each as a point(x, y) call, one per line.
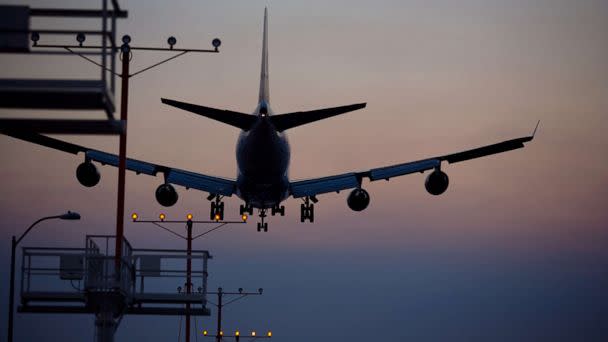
point(264, 87)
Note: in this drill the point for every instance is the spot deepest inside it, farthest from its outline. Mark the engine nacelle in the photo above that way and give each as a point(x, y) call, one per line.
point(437, 182)
point(166, 195)
point(87, 174)
point(358, 200)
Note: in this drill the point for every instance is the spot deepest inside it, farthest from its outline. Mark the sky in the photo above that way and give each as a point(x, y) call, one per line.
point(514, 250)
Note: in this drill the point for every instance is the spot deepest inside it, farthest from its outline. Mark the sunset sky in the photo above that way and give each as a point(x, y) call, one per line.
point(515, 250)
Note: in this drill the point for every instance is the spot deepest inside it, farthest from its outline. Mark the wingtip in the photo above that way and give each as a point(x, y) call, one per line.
point(535, 129)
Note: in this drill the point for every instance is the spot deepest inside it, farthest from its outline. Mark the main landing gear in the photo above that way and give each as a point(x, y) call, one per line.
point(307, 209)
point(277, 209)
point(246, 209)
point(217, 208)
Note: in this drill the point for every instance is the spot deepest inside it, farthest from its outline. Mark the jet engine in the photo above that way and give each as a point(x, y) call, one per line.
point(166, 195)
point(437, 182)
point(358, 199)
point(87, 174)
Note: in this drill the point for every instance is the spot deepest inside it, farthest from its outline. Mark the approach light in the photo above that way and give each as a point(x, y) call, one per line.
point(80, 38)
point(189, 217)
point(253, 333)
point(161, 217)
point(240, 290)
point(244, 217)
point(217, 217)
point(204, 332)
point(179, 289)
point(35, 37)
point(269, 334)
point(237, 333)
point(134, 216)
point(216, 43)
point(126, 39)
point(221, 333)
point(171, 41)
point(260, 290)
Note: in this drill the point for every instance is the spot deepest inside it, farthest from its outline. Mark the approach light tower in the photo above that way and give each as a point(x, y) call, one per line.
point(189, 222)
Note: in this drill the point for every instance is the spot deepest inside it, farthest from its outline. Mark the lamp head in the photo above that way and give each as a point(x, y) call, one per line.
point(70, 215)
point(171, 41)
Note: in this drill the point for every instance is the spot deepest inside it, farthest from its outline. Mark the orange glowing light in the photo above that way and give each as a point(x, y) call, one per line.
point(253, 333)
point(189, 217)
point(217, 217)
point(269, 334)
point(134, 216)
point(161, 217)
point(205, 332)
point(237, 333)
point(244, 217)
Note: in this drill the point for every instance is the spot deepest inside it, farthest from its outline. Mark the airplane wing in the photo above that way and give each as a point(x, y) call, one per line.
point(317, 186)
point(187, 179)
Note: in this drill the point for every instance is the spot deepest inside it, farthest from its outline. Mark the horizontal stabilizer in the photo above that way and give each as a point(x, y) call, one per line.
point(236, 119)
point(290, 120)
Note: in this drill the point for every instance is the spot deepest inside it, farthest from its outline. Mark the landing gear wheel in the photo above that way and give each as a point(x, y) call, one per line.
point(213, 211)
point(220, 211)
point(278, 210)
point(217, 209)
point(246, 209)
point(307, 211)
point(262, 227)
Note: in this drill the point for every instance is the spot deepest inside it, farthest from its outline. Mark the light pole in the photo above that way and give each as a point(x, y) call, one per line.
point(11, 295)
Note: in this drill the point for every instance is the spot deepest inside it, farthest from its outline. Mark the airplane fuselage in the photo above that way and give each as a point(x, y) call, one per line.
point(262, 156)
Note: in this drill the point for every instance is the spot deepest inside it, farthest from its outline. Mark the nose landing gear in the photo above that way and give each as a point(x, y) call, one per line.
point(262, 226)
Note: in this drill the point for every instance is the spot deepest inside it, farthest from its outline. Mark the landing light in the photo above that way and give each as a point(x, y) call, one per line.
point(134, 216)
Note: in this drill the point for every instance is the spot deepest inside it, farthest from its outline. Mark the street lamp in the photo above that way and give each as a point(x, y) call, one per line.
point(70, 215)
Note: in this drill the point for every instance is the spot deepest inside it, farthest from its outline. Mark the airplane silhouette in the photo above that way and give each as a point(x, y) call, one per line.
point(263, 156)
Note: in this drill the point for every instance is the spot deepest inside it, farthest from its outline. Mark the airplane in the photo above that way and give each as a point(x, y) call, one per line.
point(262, 156)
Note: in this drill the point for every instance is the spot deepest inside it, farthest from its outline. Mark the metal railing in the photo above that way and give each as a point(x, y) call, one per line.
point(145, 276)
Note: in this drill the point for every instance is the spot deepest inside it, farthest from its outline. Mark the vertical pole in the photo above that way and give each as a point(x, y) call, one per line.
point(11, 295)
point(219, 314)
point(188, 277)
point(122, 156)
